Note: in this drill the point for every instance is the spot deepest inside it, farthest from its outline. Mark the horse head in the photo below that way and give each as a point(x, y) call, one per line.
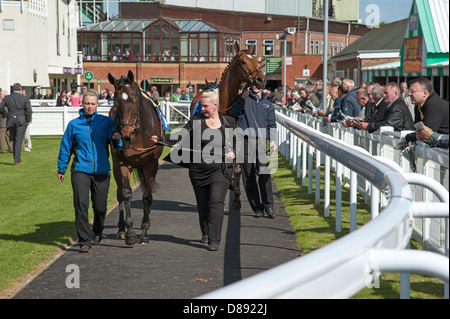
point(250, 71)
point(126, 101)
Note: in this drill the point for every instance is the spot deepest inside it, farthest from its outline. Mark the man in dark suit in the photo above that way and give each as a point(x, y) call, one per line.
point(19, 115)
point(377, 107)
point(396, 115)
point(429, 108)
point(35, 95)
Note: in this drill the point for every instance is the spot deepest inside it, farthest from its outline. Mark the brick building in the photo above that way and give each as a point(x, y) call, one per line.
point(177, 46)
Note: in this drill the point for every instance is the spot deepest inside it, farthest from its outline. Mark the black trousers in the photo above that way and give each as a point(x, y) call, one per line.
point(211, 205)
point(258, 187)
point(98, 185)
point(17, 134)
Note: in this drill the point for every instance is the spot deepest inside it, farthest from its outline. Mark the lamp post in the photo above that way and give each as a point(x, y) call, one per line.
point(325, 55)
point(283, 36)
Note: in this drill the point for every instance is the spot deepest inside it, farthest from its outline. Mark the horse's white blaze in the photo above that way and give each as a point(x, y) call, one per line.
point(124, 96)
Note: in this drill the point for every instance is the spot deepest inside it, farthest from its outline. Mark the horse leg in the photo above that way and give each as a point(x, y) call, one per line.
point(119, 182)
point(130, 236)
point(147, 199)
point(127, 194)
point(236, 205)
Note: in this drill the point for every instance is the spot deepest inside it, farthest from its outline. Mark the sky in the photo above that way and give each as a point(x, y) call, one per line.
point(390, 10)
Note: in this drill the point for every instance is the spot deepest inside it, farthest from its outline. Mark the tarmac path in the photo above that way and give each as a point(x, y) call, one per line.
point(174, 265)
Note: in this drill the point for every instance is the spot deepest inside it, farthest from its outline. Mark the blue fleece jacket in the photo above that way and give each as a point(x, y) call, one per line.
point(88, 141)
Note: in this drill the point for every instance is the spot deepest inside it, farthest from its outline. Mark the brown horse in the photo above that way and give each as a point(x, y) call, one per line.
point(243, 69)
point(136, 118)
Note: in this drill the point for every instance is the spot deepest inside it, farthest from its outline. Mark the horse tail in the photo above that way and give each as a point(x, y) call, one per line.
point(140, 175)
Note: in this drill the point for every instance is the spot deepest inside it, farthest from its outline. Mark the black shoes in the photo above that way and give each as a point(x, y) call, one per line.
point(258, 213)
point(204, 239)
point(213, 247)
point(269, 211)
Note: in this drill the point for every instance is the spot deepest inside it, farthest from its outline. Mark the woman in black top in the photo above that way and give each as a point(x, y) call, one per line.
point(209, 139)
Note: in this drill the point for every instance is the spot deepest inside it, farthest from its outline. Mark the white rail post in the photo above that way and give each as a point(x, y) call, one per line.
point(310, 168)
point(338, 197)
point(317, 195)
point(326, 205)
point(353, 199)
point(304, 151)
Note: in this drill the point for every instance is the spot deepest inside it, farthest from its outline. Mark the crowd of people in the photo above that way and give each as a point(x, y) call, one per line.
point(72, 99)
point(372, 105)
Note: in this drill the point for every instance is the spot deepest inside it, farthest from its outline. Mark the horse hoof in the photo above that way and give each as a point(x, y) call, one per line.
point(121, 235)
point(131, 241)
point(144, 240)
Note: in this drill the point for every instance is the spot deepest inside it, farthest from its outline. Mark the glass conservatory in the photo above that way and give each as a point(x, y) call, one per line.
point(158, 40)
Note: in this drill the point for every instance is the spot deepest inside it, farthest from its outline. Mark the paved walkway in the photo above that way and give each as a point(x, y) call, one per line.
point(175, 264)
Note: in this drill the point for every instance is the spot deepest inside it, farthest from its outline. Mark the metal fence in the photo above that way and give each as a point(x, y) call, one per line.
point(342, 268)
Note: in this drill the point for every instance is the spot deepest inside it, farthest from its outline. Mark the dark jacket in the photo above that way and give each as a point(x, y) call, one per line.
point(187, 143)
point(375, 112)
point(397, 115)
point(349, 106)
point(252, 108)
point(434, 114)
point(19, 109)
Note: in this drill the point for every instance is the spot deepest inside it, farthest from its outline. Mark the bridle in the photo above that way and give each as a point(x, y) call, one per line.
point(136, 117)
point(136, 126)
point(250, 78)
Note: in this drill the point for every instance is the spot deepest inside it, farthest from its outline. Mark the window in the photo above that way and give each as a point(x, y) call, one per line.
point(341, 46)
point(317, 47)
point(311, 47)
point(332, 48)
point(268, 47)
point(248, 43)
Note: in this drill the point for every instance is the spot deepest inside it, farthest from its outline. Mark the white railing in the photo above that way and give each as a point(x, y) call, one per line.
point(344, 267)
point(432, 162)
point(175, 113)
point(54, 120)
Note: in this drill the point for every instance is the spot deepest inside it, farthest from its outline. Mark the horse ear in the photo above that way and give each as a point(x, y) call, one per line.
point(130, 76)
point(250, 49)
point(237, 48)
point(112, 80)
point(206, 81)
point(215, 83)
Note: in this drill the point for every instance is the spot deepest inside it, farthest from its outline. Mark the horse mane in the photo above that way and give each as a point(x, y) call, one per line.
point(227, 68)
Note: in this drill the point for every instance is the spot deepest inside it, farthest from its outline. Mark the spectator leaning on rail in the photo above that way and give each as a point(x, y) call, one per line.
point(429, 108)
point(434, 139)
point(396, 115)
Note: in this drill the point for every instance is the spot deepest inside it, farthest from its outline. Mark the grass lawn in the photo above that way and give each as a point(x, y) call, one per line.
point(37, 219)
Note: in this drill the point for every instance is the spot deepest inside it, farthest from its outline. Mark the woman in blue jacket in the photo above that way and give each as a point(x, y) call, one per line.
point(87, 138)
